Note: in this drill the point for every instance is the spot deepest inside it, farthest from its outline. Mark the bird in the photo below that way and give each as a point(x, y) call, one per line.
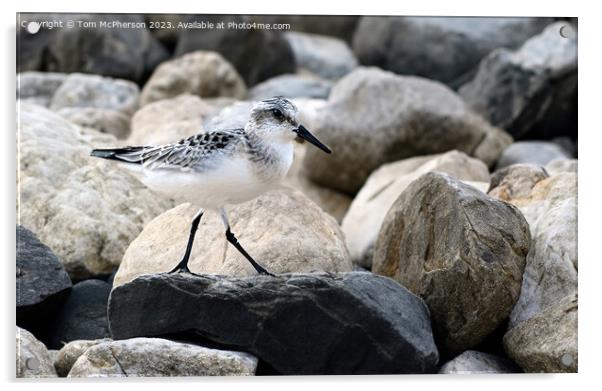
point(221, 167)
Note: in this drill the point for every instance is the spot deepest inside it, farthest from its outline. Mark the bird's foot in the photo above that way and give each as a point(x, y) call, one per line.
point(262, 272)
point(182, 268)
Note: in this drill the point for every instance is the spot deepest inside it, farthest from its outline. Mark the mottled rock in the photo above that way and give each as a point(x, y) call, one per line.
point(356, 323)
point(257, 54)
point(460, 250)
point(291, 86)
point(473, 362)
point(327, 57)
point(154, 357)
point(104, 120)
point(531, 152)
point(530, 92)
point(33, 359)
point(86, 210)
point(374, 117)
point(283, 230)
point(547, 342)
point(206, 74)
point(69, 354)
point(38, 87)
point(440, 48)
point(370, 206)
point(83, 315)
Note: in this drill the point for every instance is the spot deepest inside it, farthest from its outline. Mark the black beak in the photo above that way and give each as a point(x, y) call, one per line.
point(304, 134)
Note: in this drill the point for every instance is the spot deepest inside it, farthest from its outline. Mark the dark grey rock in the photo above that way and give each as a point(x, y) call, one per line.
point(472, 362)
point(291, 86)
point(353, 323)
point(461, 250)
point(42, 283)
point(440, 48)
point(539, 153)
point(84, 314)
point(530, 92)
point(256, 54)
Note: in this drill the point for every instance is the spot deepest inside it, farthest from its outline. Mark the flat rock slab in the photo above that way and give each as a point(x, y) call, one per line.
point(352, 323)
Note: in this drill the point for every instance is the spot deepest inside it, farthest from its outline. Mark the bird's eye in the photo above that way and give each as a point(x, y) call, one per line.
point(277, 114)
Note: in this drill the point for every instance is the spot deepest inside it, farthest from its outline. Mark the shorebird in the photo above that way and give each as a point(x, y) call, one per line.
point(221, 167)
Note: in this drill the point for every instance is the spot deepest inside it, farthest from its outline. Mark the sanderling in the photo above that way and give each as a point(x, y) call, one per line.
point(221, 167)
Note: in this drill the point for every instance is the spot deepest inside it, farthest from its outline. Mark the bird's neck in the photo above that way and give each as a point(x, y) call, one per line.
point(274, 155)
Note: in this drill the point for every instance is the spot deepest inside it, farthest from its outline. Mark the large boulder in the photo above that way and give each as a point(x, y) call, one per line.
point(154, 357)
point(86, 210)
point(69, 354)
point(530, 92)
point(547, 342)
point(552, 264)
point(33, 359)
point(531, 152)
point(206, 74)
point(83, 315)
point(125, 49)
point(444, 49)
point(370, 206)
point(257, 54)
point(304, 324)
point(291, 86)
point(460, 250)
point(373, 117)
point(283, 230)
point(473, 362)
point(327, 57)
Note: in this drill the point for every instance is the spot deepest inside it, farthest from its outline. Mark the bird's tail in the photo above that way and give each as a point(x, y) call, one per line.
point(127, 154)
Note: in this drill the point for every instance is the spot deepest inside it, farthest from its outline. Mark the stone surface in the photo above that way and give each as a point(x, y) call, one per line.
point(370, 206)
point(473, 362)
point(257, 54)
point(530, 92)
point(562, 165)
point(352, 323)
point(291, 86)
point(33, 359)
point(460, 250)
point(169, 120)
point(552, 264)
point(38, 87)
point(283, 230)
point(206, 74)
point(439, 48)
point(69, 354)
point(531, 152)
point(547, 342)
point(83, 315)
point(327, 57)
point(104, 120)
point(86, 210)
point(154, 357)
point(374, 117)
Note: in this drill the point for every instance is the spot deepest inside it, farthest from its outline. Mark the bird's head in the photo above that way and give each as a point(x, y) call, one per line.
point(275, 120)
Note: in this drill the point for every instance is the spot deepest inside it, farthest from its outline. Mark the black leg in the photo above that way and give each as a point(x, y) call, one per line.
point(232, 239)
point(183, 265)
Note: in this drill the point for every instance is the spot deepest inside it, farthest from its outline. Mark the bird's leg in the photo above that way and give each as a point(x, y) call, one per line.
point(183, 265)
point(232, 239)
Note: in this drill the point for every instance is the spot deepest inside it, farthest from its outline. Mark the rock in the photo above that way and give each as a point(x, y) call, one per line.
point(69, 354)
point(531, 152)
point(86, 210)
point(339, 26)
point(121, 51)
point(257, 54)
point(473, 362)
point(561, 165)
point(374, 117)
point(283, 230)
point(443, 49)
point(38, 87)
point(356, 323)
point(552, 264)
point(154, 357)
point(460, 250)
point(291, 86)
point(42, 283)
point(169, 120)
point(530, 92)
point(84, 314)
point(547, 342)
point(80, 90)
point(327, 57)
point(33, 359)
point(370, 206)
point(206, 74)
point(103, 120)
